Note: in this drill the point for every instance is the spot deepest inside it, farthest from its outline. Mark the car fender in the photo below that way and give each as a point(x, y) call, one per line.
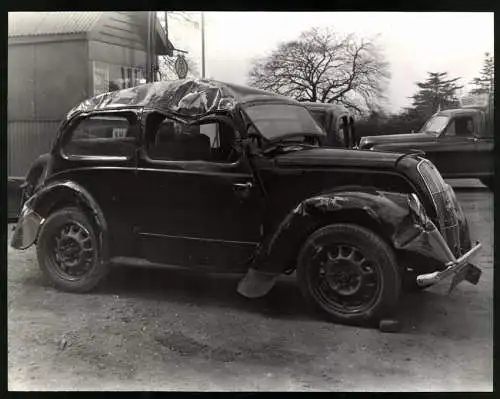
point(386, 213)
point(38, 207)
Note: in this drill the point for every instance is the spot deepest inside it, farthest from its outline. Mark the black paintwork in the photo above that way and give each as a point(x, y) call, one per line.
point(468, 156)
point(221, 216)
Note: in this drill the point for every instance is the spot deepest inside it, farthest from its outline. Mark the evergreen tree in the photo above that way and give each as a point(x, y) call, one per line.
point(437, 92)
point(485, 83)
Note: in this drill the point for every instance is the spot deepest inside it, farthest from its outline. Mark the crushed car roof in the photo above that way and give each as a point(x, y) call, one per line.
point(189, 98)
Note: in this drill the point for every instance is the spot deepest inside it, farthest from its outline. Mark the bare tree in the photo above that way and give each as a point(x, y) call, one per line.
point(321, 66)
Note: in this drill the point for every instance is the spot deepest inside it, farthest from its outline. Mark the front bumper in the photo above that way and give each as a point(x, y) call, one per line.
point(27, 228)
point(428, 241)
point(459, 268)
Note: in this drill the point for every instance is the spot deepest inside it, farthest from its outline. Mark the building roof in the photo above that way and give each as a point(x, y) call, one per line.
point(101, 26)
point(51, 23)
point(186, 99)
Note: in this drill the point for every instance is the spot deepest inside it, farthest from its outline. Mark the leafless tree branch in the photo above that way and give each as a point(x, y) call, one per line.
point(322, 66)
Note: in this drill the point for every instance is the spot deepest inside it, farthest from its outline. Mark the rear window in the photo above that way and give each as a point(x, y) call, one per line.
point(101, 136)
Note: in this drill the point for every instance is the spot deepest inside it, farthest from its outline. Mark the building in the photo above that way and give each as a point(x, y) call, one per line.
point(58, 59)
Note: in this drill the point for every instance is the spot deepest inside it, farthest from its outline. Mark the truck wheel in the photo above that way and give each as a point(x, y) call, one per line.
point(68, 251)
point(349, 274)
point(488, 182)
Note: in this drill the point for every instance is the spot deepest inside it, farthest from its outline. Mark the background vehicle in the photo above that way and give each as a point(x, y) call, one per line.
point(458, 141)
point(337, 122)
point(219, 177)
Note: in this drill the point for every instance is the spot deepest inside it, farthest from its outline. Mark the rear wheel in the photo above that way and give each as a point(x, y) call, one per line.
point(68, 251)
point(349, 273)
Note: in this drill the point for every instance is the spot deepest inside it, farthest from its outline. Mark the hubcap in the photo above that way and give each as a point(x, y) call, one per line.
point(345, 279)
point(73, 251)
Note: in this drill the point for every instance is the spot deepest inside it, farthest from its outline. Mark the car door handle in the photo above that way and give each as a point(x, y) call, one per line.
point(242, 186)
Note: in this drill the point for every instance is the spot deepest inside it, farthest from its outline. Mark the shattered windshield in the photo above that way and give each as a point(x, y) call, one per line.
point(435, 125)
point(275, 120)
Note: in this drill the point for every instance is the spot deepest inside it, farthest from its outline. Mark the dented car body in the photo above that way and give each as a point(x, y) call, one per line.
point(130, 179)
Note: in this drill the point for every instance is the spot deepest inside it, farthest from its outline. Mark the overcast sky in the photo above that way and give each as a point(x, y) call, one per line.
point(413, 43)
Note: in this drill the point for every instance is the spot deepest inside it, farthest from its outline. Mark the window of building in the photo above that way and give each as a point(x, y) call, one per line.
point(102, 136)
point(111, 77)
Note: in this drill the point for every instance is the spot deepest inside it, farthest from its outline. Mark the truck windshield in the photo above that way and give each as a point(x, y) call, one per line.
point(435, 125)
point(275, 120)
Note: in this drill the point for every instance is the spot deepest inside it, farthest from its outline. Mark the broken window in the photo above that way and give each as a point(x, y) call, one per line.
point(171, 140)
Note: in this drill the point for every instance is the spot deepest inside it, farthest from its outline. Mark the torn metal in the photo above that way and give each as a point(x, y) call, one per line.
point(187, 99)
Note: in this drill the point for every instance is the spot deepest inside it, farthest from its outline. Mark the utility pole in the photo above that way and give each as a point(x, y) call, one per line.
point(151, 57)
point(148, 49)
point(202, 45)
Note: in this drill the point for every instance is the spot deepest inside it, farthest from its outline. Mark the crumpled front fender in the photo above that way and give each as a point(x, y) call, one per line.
point(387, 212)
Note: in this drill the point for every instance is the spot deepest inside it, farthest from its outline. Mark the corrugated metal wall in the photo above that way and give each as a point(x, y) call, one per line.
point(26, 140)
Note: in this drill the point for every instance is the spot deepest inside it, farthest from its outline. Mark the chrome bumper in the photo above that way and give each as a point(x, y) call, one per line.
point(453, 267)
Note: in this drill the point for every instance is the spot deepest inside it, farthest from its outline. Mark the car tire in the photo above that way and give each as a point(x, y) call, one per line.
point(488, 182)
point(66, 235)
point(343, 263)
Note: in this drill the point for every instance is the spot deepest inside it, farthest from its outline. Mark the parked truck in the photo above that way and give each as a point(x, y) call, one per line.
point(458, 141)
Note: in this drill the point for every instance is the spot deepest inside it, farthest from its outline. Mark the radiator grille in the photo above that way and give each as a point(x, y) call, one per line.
point(444, 204)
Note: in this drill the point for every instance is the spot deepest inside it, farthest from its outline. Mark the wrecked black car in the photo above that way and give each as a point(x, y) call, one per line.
point(224, 178)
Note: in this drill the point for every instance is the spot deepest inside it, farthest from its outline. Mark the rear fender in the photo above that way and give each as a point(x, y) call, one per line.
point(38, 207)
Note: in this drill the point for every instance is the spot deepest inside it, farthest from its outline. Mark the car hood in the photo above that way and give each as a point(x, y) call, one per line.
point(338, 157)
point(395, 138)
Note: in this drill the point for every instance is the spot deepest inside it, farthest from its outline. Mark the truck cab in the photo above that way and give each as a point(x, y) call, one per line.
point(458, 141)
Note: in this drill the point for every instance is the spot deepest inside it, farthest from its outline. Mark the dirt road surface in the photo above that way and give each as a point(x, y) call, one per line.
point(171, 330)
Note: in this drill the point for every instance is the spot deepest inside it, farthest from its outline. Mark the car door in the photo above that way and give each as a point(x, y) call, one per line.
point(98, 152)
point(200, 203)
point(457, 152)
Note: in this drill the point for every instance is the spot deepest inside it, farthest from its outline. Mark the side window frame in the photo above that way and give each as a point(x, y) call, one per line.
point(147, 157)
point(449, 125)
point(132, 116)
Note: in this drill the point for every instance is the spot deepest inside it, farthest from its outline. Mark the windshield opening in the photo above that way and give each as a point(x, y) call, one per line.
point(435, 125)
point(275, 120)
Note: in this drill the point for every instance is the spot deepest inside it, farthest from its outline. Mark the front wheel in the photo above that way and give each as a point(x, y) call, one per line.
point(349, 273)
point(68, 251)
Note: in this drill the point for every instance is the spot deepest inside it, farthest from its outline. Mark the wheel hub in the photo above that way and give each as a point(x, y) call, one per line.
point(343, 276)
point(73, 250)
point(347, 279)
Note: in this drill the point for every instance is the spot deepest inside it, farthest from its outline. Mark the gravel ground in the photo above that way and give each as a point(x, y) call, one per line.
point(174, 330)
